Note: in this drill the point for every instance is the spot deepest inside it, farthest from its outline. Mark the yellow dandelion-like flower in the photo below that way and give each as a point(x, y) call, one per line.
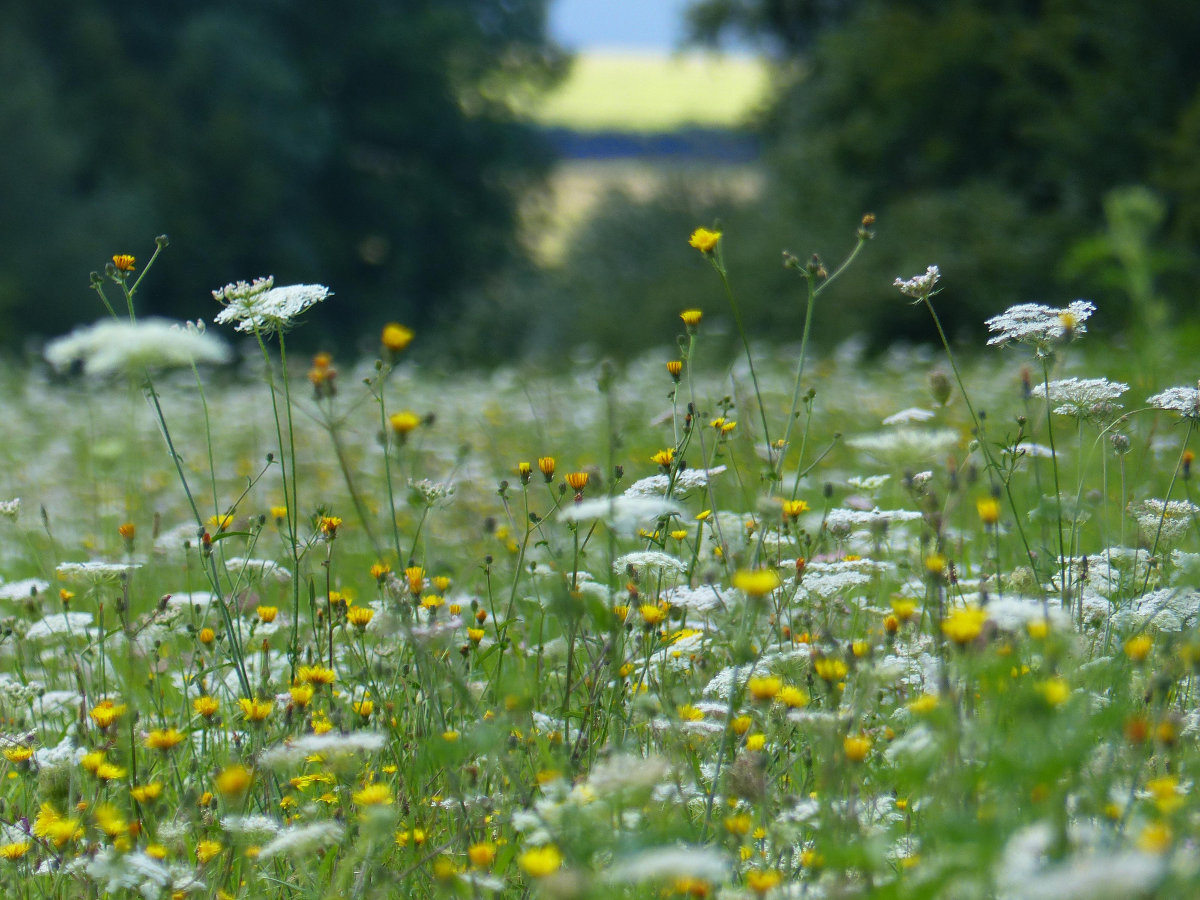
point(691, 317)
point(316, 675)
point(206, 850)
point(107, 771)
point(664, 458)
point(830, 668)
point(376, 794)
point(302, 694)
point(163, 739)
point(704, 240)
point(363, 707)
point(761, 881)
point(1139, 647)
point(404, 422)
point(792, 697)
point(988, 509)
point(1055, 691)
point(764, 687)
point(124, 262)
point(146, 793)
point(206, 636)
point(106, 712)
point(964, 625)
point(793, 508)
point(266, 613)
point(233, 781)
point(540, 861)
point(17, 755)
point(15, 850)
point(482, 854)
point(415, 576)
point(652, 614)
point(856, 747)
point(576, 481)
point(756, 582)
point(360, 616)
point(206, 706)
point(396, 337)
point(255, 710)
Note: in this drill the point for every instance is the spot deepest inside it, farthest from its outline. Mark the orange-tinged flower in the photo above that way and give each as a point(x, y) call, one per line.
point(360, 616)
point(106, 712)
point(576, 481)
point(482, 854)
point(124, 262)
point(856, 747)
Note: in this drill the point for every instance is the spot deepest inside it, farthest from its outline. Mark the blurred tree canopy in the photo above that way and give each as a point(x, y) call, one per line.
point(986, 135)
point(370, 146)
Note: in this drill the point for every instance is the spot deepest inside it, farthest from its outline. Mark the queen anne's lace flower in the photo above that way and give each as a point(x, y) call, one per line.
point(1032, 323)
point(1183, 400)
point(262, 308)
point(919, 286)
point(1083, 397)
point(111, 346)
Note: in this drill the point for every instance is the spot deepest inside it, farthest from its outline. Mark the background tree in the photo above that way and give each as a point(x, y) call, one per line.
point(985, 133)
point(369, 146)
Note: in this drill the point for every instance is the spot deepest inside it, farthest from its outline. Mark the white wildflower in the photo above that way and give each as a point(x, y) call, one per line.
point(919, 286)
point(623, 514)
point(25, 589)
point(904, 444)
point(1183, 400)
point(94, 573)
point(649, 559)
point(62, 755)
point(57, 624)
point(868, 482)
point(293, 752)
point(1041, 326)
point(254, 827)
point(257, 569)
point(10, 509)
point(117, 346)
point(128, 871)
point(298, 840)
point(843, 521)
point(667, 863)
point(1167, 521)
point(622, 772)
point(430, 493)
point(685, 480)
point(1083, 398)
point(703, 599)
point(262, 308)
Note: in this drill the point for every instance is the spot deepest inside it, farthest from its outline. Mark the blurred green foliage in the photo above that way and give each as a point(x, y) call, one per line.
point(369, 146)
point(988, 136)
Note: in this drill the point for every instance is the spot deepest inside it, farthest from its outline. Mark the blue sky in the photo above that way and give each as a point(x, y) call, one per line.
point(634, 24)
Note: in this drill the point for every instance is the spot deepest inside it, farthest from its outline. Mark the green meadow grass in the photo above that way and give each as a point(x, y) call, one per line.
point(649, 92)
point(787, 625)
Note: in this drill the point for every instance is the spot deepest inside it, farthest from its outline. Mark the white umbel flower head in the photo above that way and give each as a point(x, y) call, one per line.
point(919, 286)
point(1183, 400)
point(1083, 398)
point(1041, 326)
point(132, 347)
point(262, 308)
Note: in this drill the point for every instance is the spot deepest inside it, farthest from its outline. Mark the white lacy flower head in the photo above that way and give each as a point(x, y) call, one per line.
point(1083, 398)
point(1041, 326)
point(132, 347)
point(911, 416)
point(296, 840)
point(1168, 521)
point(262, 308)
point(10, 509)
point(94, 572)
point(294, 752)
point(1183, 400)
point(919, 286)
point(623, 514)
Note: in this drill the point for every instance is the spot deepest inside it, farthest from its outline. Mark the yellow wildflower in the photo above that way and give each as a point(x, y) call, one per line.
point(704, 240)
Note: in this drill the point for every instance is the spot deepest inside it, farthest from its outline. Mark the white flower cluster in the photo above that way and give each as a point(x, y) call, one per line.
point(1169, 520)
point(1083, 398)
point(10, 509)
point(132, 347)
point(1032, 323)
point(685, 480)
point(1183, 400)
point(298, 840)
point(919, 286)
point(843, 521)
point(649, 559)
point(262, 308)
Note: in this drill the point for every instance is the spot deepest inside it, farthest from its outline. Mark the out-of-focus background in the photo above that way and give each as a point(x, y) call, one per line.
point(518, 177)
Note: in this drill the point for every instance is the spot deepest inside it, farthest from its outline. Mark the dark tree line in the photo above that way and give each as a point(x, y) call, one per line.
point(370, 146)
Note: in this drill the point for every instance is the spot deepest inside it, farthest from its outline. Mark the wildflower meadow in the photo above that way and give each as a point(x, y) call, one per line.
point(768, 624)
